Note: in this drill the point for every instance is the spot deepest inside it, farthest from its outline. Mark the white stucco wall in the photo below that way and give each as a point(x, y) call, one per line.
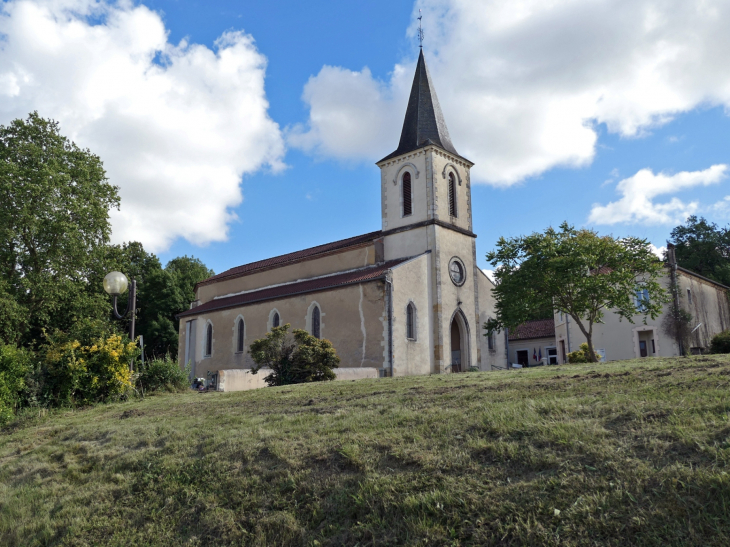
point(411, 284)
point(495, 358)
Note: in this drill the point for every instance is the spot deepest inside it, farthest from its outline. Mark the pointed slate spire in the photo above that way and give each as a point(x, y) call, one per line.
point(424, 123)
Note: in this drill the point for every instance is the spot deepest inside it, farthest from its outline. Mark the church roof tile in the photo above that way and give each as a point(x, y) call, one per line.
point(316, 284)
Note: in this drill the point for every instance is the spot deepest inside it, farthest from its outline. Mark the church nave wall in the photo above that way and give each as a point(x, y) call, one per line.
point(337, 262)
point(350, 317)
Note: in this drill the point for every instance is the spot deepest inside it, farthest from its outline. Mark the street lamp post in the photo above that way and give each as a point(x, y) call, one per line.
point(115, 284)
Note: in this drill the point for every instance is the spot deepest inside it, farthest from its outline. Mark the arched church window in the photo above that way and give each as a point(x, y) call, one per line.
point(315, 322)
point(407, 198)
point(411, 321)
point(209, 340)
point(275, 320)
point(239, 336)
point(452, 196)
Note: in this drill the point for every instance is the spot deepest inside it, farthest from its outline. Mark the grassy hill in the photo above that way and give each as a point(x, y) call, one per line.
point(630, 453)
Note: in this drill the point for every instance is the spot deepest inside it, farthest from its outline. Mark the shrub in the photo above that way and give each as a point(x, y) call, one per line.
point(579, 356)
point(78, 374)
point(295, 359)
point(15, 363)
point(163, 375)
point(720, 343)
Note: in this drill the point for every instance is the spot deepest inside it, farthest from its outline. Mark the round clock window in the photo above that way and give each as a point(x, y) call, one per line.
point(457, 271)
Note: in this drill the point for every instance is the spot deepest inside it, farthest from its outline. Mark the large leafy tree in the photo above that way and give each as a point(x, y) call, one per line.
point(703, 247)
point(54, 205)
point(581, 273)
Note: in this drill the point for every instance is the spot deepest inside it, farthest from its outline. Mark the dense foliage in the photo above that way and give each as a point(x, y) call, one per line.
point(581, 273)
point(720, 343)
point(60, 343)
point(54, 221)
point(15, 364)
point(703, 247)
point(295, 359)
point(162, 374)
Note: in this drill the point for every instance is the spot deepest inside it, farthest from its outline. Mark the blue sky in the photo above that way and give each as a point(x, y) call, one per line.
point(553, 128)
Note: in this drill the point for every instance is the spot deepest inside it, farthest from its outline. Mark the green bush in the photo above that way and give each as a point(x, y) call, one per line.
point(720, 343)
point(15, 363)
point(296, 359)
point(84, 374)
point(163, 375)
point(580, 356)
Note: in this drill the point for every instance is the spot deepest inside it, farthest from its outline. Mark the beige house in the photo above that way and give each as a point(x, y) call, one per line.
point(533, 344)
point(406, 299)
point(616, 339)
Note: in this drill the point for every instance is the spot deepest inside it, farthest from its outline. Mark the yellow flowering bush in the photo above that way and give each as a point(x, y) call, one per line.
point(78, 374)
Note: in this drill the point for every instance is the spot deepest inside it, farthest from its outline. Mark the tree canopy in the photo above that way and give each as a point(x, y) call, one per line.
point(703, 247)
point(54, 205)
point(580, 273)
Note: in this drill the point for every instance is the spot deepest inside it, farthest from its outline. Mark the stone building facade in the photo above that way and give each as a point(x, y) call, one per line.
point(407, 299)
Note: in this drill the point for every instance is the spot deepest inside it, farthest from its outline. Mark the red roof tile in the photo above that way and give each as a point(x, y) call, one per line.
point(361, 275)
point(304, 254)
point(540, 328)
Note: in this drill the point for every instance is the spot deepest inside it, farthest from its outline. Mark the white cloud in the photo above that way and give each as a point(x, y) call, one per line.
point(637, 206)
point(658, 251)
point(522, 83)
point(489, 274)
point(176, 125)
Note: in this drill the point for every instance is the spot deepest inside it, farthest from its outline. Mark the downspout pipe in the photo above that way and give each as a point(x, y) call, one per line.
point(506, 345)
point(567, 330)
point(389, 296)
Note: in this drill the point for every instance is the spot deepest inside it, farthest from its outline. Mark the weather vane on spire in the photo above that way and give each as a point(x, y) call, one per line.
point(420, 30)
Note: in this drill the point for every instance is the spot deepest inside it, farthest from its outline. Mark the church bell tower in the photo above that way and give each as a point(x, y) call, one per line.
point(426, 208)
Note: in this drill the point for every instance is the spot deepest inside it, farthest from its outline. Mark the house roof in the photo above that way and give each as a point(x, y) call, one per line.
point(296, 256)
point(316, 284)
point(424, 122)
point(695, 274)
point(540, 328)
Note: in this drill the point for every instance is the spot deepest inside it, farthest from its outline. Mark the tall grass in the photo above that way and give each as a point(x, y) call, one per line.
point(632, 453)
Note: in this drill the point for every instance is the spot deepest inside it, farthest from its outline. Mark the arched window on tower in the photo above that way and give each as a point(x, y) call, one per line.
point(452, 196)
point(239, 336)
point(315, 322)
point(275, 320)
point(209, 340)
point(407, 197)
point(411, 321)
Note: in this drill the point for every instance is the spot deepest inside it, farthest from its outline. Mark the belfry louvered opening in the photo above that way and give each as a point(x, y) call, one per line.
point(407, 198)
point(452, 196)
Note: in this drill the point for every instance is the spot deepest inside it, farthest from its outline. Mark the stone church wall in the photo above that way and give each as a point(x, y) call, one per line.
point(351, 318)
point(495, 358)
point(411, 284)
point(338, 262)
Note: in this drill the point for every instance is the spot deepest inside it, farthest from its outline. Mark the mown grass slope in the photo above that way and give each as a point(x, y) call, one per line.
point(629, 453)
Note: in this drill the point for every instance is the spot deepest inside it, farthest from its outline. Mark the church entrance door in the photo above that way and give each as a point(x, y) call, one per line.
point(455, 346)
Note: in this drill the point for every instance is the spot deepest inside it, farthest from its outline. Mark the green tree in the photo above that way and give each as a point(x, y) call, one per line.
point(296, 359)
point(54, 216)
point(581, 273)
point(704, 248)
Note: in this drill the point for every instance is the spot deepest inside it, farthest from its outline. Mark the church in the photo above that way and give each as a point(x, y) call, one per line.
point(404, 300)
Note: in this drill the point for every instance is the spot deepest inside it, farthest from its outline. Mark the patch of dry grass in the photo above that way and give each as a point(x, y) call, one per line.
point(630, 453)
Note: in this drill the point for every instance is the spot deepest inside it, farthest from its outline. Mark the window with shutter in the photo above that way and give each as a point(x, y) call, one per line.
point(407, 197)
point(239, 340)
point(315, 322)
point(452, 196)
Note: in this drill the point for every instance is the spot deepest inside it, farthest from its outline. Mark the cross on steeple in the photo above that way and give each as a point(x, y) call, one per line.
point(420, 30)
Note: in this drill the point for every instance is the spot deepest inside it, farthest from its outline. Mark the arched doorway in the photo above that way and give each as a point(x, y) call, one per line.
point(459, 337)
